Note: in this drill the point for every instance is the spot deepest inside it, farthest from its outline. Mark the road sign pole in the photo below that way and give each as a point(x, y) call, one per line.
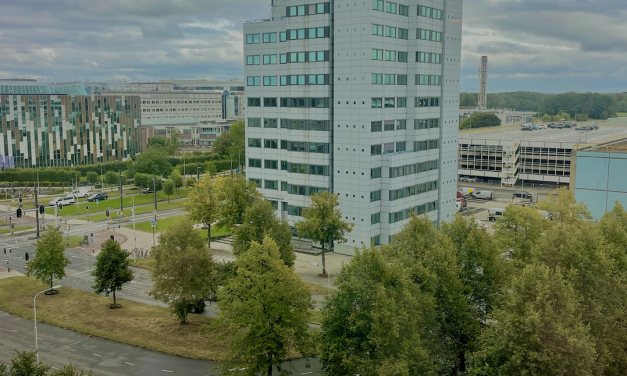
point(134, 234)
point(37, 212)
point(92, 243)
point(68, 236)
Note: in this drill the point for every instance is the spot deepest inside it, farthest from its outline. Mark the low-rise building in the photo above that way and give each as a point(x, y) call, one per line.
point(193, 132)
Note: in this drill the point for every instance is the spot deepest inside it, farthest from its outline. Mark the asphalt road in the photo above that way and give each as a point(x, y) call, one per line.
point(58, 347)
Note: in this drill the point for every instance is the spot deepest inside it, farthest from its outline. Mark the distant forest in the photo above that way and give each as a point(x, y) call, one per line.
point(596, 106)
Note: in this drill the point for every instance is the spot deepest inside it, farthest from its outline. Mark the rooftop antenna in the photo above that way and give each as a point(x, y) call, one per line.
point(482, 103)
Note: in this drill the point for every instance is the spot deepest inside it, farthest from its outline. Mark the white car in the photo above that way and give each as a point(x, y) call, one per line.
point(69, 200)
point(80, 193)
point(471, 180)
point(541, 127)
point(54, 201)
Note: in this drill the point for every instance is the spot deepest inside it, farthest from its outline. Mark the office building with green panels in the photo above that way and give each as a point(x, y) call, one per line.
point(67, 130)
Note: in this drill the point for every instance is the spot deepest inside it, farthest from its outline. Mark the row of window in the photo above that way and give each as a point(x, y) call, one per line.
point(291, 102)
point(403, 10)
point(431, 35)
point(389, 31)
point(388, 102)
point(388, 79)
point(401, 146)
point(426, 123)
point(310, 147)
point(293, 168)
point(266, 37)
point(309, 125)
point(419, 210)
point(308, 33)
point(426, 57)
point(301, 190)
point(429, 12)
point(388, 125)
point(414, 168)
point(306, 10)
point(385, 55)
point(309, 79)
point(292, 57)
point(426, 102)
point(413, 190)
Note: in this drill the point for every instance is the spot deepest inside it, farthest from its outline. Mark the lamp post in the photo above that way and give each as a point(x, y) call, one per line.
point(328, 275)
point(35, 309)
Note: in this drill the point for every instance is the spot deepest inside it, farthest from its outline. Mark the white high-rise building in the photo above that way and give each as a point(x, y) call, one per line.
point(360, 98)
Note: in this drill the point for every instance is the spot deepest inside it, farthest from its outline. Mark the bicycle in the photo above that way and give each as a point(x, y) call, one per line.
point(83, 241)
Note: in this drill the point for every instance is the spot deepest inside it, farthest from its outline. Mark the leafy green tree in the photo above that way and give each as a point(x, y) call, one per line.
point(177, 179)
point(264, 313)
point(235, 194)
point(24, 364)
point(152, 161)
point(168, 188)
point(157, 142)
point(546, 118)
point(184, 269)
point(70, 370)
point(112, 178)
point(519, 231)
point(537, 331)
point(203, 204)
point(323, 222)
point(613, 227)
point(172, 146)
point(141, 180)
point(563, 207)
point(49, 261)
point(210, 168)
point(91, 177)
point(222, 144)
point(480, 120)
point(260, 221)
point(111, 270)
point(378, 322)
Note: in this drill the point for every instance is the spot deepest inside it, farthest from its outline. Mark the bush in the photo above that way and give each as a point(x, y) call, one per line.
point(98, 186)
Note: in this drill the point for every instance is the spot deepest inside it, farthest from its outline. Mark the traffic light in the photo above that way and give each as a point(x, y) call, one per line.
point(19, 213)
point(41, 209)
point(26, 256)
point(20, 199)
point(107, 213)
point(60, 206)
point(111, 237)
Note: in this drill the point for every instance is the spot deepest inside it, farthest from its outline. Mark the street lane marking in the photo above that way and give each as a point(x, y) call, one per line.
point(96, 354)
point(54, 367)
point(306, 373)
point(67, 347)
point(41, 339)
point(130, 364)
point(14, 331)
point(165, 370)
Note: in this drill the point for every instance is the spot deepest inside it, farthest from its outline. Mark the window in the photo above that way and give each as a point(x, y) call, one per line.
point(270, 102)
point(377, 54)
point(282, 36)
point(401, 102)
point(389, 79)
point(435, 58)
point(377, 30)
point(376, 103)
point(400, 146)
point(252, 38)
point(390, 32)
point(428, 35)
point(375, 196)
point(273, 165)
point(375, 126)
point(388, 125)
point(377, 78)
point(270, 144)
point(269, 38)
point(375, 240)
point(434, 80)
point(377, 5)
point(429, 12)
point(269, 59)
point(252, 60)
point(401, 124)
point(254, 102)
point(254, 122)
point(270, 123)
point(422, 79)
point(401, 79)
point(402, 33)
point(389, 102)
point(375, 173)
point(283, 58)
point(318, 32)
point(283, 166)
point(390, 7)
point(375, 218)
point(256, 181)
point(254, 162)
point(402, 57)
point(375, 149)
point(269, 81)
point(390, 55)
point(253, 81)
point(403, 10)
point(254, 142)
point(271, 184)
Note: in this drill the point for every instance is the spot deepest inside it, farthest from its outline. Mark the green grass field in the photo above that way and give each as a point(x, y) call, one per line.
point(16, 229)
point(164, 224)
point(138, 210)
point(621, 114)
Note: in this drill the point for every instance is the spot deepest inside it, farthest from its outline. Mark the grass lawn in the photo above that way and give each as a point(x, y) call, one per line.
point(146, 263)
point(3, 223)
point(74, 239)
point(135, 323)
point(621, 114)
point(317, 289)
point(315, 317)
point(138, 210)
point(164, 224)
point(16, 229)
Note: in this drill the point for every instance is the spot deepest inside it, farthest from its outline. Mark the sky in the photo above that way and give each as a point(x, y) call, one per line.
point(549, 46)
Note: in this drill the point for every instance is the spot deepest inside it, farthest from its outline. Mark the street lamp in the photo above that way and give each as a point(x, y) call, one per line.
point(35, 308)
point(328, 275)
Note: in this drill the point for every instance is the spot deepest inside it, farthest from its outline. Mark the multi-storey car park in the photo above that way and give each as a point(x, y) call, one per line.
point(510, 155)
point(359, 98)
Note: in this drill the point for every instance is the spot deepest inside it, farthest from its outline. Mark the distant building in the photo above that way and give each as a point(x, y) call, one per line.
point(507, 117)
point(193, 132)
point(233, 85)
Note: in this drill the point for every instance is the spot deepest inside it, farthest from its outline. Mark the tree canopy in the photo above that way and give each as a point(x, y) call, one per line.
point(203, 204)
point(235, 194)
point(480, 120)
point(111, 269)
point(49, 261)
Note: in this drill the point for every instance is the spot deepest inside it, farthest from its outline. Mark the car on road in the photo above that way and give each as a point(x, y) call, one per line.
point(593, 126)
point(484, 195)
point(467, 179)
point(97, 196)
point(568, 125)
point(541, 127)
point(522, 194)
point(526, 128)
point(69, 200)
point(54, 201)
point(583, 128)
point(556, 126)
point(148, 190)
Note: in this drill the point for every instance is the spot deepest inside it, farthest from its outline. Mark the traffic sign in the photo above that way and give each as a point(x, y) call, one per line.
point(97, 201)
point(153, 223)
point(108, 208)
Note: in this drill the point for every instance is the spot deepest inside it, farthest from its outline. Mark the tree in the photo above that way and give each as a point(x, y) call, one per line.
point(152, 161)
point(563, 207)
point(50, 261)
point(323, 222)
point(24, 364)
point(172, 146)
point(222, 144)
point(203, 205)
point(177, 179)
point(546, 118)
point(111, 270)
point(168, 188)
point(480, 120)
point(264, 312)
point(519, 230)
point(236, 194)
point(210, 168)
point(260, 221)
point(184, 269)
point(112, 178)
point(91, 177)
point(613, 227)
point(70, 370)
point(378, 322)
point(157, 142)
point(141, 180)
point(537, 331)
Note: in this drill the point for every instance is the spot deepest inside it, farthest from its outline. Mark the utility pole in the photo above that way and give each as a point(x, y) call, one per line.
point(37, 212)
point(154, 185)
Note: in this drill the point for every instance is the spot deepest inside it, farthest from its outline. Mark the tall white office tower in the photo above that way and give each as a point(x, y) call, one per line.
point(360, 98)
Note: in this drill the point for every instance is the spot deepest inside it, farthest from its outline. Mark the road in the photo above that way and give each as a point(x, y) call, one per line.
point(58, 347)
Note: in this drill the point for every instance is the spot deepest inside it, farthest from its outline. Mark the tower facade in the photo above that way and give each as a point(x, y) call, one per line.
point(360, 99)
point(483, 83)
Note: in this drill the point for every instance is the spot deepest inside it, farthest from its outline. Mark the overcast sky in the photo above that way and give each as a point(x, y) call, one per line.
point(536, 45)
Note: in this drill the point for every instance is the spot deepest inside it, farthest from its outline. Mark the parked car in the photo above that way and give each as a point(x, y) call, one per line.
point(556, 126)
point(148, 190)
point(526, 128)
point(54, 201)
point(522, 194)
point(463, 202)
point(69, 200)
point(81, 192)
point(484, 195)
point(97, 196)
point(495, 213)
point(541, 127)
point(467, 179)
point(593, 126)
point(546, 214)
point(534, 128)
point(583, 128)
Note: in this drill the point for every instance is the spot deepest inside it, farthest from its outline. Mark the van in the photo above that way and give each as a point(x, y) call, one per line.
point(458, 206)
point(81, 192)
point(485, 195)
point(69, 200)
point(494, 213)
